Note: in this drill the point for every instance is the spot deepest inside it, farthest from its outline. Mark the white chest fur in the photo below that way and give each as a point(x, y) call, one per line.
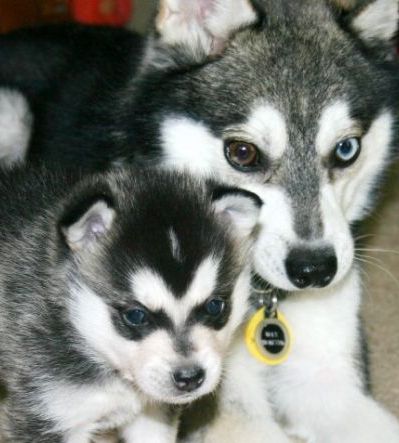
point(81, 411)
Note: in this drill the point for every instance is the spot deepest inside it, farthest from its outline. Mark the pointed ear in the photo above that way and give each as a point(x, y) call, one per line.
point(237, 207)
point(85, 223)
point(378, 20)
point(202, 26)
point(372, 20)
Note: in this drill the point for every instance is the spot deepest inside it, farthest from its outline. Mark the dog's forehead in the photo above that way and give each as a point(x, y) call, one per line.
point(298, 64)
point(169, 230)
point(150, 288)
point(284, 83)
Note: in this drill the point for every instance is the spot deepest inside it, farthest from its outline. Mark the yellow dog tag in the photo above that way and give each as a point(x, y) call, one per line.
point(268, 338)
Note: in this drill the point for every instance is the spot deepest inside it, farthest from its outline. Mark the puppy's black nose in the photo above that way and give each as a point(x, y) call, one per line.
point(188, 378)
point(311, 267)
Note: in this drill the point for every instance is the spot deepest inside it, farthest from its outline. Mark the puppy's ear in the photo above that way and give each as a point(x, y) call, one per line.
point(237, 207)
point(373, 21)
point(202, 27)
point(86, 222)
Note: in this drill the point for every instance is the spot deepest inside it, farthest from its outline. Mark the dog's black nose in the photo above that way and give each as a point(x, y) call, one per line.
point(188, 378)
point(311, 267)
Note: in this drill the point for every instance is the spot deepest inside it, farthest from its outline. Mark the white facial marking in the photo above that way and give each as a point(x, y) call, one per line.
point(354, 185)
point(149, 363)
point(336, 230)
point(15, 127)
point(151, 290)
point(335, 125)
point(204, 281)
point(265, 128)
point(276, 235)
point(91, 318)
point(189, 145)
point(344, 200)
point(175, 245)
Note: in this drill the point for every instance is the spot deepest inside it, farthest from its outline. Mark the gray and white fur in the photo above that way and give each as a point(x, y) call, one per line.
point(293, 100)
point(301, 108)
point(119, 295)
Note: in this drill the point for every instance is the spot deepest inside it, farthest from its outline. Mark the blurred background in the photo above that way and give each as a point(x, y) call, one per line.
point(135, 14)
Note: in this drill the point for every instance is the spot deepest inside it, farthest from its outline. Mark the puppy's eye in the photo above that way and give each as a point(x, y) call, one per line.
point(136, 317)
point(346, 152)
point(215, 306)
point(242, 155)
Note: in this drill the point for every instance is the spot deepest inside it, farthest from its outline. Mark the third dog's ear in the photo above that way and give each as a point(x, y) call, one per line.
point(83, 225)
point(374, 21)
point(202, 26)
point(237, 207)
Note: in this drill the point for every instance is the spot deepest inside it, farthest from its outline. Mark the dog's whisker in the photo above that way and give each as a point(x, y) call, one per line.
point(371, 258)
point(363, 271)
point(380, 267)
point(388, 251)
point(361, 237)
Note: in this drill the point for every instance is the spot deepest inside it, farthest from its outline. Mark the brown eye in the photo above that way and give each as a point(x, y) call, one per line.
point(242, 155)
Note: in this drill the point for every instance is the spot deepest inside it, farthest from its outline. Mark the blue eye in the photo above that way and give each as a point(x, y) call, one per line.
point(136, 317)
point(215, 306)
point(346, 152)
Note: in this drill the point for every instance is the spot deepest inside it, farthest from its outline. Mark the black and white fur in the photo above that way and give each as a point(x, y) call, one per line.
point(80, 264)
point(293, 81)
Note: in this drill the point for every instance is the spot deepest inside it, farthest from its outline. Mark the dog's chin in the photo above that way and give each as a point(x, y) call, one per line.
point(178, 398)
point(168, 393)
point(267, 282)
